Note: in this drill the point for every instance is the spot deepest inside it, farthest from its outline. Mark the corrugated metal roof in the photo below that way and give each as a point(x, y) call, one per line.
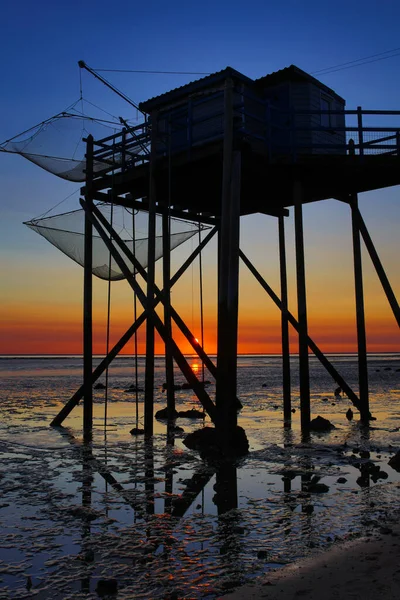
point(193, 86)
point(293, 73)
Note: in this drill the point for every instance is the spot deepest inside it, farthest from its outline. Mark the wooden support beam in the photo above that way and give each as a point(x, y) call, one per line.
point(88, 300)
point(311, 344)
point(360, 313)
point(377, 264)
point(97, 218)
point(287, 404)
point(169, 363)
point(228, 280)
point(151, 257)
point(302, 308)
point(102, 366)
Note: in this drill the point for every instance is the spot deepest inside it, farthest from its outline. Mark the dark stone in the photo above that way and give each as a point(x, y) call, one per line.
point(106, 587)
point(190, 414)
point(308, 509)
point(186, 386)
point(349, 415)
point(387, 369)
point(317, 488)
point(264, 385)
point(321, 424)
point(177, 429)
point(99, 386)
point(262, 554)
point(364, 454)
point(394, 462)
point(133, 388)
point(164, 414)
point(293, 410)
point(325, 399)
point(342, 480)
point(208, 443)
point(136, 431)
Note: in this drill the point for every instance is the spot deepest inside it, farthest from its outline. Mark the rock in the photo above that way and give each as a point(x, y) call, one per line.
point(308, 509)
point(177, 429)
point(262, 554)
point(293, 410)
point(99, 386)
point(136, 431)
point(387, 369)
point(133, 388)
point(364, 454)
point(338, 391)
point(264, 385)
point(190, 414)
point(342, 480)
point(208, 444)
point(314, 487)
point(394, 462)
point(325, 399)
point(321, 424)
point(164, 414)
point(349, 415)
point(106, 587)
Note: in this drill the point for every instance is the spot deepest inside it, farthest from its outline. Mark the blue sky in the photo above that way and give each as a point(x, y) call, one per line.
point(42, 42)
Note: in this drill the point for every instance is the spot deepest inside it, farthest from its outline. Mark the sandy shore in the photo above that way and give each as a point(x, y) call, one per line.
point(363, 569)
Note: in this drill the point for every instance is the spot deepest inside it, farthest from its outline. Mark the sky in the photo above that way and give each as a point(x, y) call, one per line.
point(41, 290)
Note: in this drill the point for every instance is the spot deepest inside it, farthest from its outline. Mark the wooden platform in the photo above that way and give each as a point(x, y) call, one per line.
point(194, 182)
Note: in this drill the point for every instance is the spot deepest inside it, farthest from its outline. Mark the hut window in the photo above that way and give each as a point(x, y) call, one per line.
point(326, 104)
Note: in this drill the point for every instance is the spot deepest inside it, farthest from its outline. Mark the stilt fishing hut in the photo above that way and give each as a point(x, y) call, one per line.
point(212, 151)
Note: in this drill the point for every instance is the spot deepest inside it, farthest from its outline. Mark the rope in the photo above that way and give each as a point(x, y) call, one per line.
point(108, 306)
point(108, 322)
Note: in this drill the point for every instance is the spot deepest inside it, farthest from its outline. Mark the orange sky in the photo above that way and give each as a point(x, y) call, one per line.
point(41, 305)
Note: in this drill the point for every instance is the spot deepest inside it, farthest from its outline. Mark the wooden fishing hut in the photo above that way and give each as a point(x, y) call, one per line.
point(212, 151)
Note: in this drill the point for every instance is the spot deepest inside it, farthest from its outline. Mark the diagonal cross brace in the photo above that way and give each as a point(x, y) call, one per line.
point(181, 361)
point(107, 360)
point(311, 344)
point(139, 269)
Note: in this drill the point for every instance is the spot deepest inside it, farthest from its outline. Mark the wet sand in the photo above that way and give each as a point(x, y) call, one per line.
point(363, 569)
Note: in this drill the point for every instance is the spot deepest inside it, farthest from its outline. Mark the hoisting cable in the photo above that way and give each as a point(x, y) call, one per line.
point(109, 301)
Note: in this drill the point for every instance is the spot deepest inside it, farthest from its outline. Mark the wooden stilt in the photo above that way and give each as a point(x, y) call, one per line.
point(378, 265)
point(302, 308)
point(181, 361)
point(169, 363)
point(287, 405)
point(311, 344)
point(360, 313)
point(88, 301)
point(149, 373)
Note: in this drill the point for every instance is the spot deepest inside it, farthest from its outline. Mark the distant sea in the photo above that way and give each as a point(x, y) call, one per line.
point(155, 520)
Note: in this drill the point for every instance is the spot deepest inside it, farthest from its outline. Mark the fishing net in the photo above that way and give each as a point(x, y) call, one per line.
point(66, 232)
point(57, 144)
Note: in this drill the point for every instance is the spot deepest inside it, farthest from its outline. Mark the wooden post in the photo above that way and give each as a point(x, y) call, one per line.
point(228, 281)
point(287, 405)
point(169, 363)
point(360, 314)
point(360, 131)
point(302, 308)
point(149, 374)
point(88, 300)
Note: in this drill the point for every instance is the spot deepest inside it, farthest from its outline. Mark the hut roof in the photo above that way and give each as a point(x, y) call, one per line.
point(191, 88)
point(294, 74)
point(291, 73)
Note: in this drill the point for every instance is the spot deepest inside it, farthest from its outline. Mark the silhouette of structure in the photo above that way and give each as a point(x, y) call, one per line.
point(212, 151)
